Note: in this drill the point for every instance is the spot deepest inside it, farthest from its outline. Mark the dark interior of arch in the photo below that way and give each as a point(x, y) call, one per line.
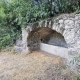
point(57, 40)
point(45, 35)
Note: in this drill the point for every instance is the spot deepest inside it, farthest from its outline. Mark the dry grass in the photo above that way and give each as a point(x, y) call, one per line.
point(34, 66)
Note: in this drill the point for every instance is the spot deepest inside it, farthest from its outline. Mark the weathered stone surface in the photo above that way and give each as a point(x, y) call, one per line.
point(56, 50)
point(19, 43)
point(18, 49)
point(69, 24)
point(66, 24)
point(61, 21)
point(58, 40)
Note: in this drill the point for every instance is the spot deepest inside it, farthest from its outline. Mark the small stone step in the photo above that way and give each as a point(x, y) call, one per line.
point(18, 49)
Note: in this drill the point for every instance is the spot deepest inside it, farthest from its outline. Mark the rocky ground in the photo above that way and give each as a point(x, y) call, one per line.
point(34, 66)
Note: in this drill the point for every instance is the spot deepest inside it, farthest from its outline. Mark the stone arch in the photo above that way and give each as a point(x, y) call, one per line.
point(53, 37)
point(69, 27)
point(57, 47)
point(54, 24)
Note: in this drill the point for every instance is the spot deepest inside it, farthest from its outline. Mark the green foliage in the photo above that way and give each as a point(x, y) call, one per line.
point(15, 14)
point(67, 6)
point(77, 78)
point(75, 59)
point(8, 36)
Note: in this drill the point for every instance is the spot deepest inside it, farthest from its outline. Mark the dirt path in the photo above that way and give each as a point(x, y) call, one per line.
point(34, 66)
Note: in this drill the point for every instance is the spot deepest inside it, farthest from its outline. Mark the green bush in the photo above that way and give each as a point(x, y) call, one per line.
point(8, 36)
point(67, 6)
point(15, 14)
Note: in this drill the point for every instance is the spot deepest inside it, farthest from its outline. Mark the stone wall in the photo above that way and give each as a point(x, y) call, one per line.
point(69, 27)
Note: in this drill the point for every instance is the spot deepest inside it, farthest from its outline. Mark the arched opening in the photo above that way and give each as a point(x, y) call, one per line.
point(45, 35)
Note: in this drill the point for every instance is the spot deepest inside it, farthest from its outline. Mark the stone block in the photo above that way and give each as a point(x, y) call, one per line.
point(56, 50)
point(69, 24)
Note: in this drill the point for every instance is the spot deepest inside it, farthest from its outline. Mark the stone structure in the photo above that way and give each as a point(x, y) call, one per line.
point(69, 27)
